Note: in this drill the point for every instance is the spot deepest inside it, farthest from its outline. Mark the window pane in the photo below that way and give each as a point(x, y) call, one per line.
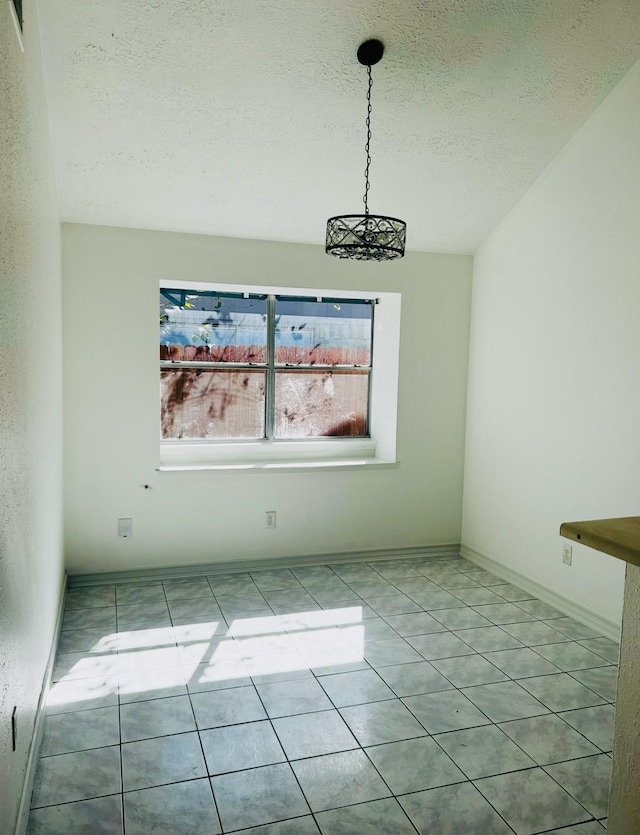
point(315, 403)
point(204, 327)
point(323, 333)
point(198, 403)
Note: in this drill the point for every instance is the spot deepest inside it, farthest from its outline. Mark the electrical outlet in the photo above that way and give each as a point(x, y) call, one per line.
point(125, 527)
point(567, 554)
point(14, 728)
point(270, 519)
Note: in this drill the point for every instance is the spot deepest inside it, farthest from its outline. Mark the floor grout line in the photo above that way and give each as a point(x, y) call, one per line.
point(383, 583)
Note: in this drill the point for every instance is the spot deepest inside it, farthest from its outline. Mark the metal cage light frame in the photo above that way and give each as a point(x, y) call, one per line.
point(366, 237)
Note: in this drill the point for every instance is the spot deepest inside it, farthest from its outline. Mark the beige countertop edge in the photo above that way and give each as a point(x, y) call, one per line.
point(619, 537)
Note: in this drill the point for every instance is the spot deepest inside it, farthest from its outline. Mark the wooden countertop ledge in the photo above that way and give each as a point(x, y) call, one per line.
point(618, 537)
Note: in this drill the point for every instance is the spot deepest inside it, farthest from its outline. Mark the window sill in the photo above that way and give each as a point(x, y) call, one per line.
point(291, 455)
point(300, 456)
point(284, 466)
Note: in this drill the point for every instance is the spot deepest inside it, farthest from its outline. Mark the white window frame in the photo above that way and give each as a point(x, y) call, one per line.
point(262, 455)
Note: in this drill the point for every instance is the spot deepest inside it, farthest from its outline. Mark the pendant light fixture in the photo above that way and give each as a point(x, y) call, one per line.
point(366, 237)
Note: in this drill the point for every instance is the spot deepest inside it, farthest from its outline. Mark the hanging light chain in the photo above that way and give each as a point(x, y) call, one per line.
point(366, 237)
point(365, 196)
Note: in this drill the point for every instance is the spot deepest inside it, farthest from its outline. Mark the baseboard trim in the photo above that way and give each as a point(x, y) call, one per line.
point(38, 727)
point(569, 607)
point(574, 610)
point(255, 565)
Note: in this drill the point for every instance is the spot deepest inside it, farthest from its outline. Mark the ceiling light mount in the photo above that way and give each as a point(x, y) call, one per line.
point(370, 52)
point(366, 237)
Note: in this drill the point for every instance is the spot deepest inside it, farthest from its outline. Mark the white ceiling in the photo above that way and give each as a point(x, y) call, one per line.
point(246, 117)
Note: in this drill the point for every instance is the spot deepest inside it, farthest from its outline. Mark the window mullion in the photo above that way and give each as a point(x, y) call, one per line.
point(270, 386)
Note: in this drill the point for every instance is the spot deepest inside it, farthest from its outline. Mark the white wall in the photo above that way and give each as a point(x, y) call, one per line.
point(553, 421)
point(112, 421)
point(30, 398)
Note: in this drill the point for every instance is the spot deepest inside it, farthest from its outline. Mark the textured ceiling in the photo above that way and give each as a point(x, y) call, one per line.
point(231, 117)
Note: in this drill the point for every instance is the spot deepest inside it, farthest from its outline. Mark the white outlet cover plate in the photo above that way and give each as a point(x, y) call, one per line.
point(125, 527)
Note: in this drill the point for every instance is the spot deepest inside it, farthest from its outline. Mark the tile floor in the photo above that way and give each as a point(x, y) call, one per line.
point(396, 697)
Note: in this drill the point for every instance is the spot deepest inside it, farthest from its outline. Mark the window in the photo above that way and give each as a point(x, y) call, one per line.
point(249, 374)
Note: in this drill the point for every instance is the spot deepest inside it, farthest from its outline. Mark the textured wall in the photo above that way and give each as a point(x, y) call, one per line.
point(30, 398)
point(554, 402)
point(624, 802)
point(112, 422)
